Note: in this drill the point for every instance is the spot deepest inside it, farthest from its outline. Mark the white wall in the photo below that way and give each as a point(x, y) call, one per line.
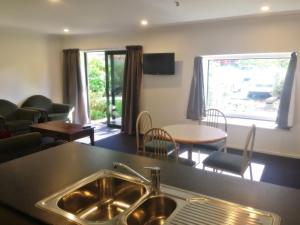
point(30, 63)
point(166, 96)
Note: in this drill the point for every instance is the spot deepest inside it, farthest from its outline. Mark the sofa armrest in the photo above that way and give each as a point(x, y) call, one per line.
point(17, 143)
point(35, 109)
point(43, 113)
point(2, 122)
point(61, 108)
point(29, 114)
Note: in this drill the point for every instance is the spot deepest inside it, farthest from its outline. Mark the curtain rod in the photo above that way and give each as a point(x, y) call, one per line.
point(249, 55)
point(102, 49)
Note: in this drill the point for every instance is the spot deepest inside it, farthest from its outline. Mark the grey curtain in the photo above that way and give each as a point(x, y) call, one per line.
point(196, 105)
point(74, 85)
point(285, 98)
point(133, 72)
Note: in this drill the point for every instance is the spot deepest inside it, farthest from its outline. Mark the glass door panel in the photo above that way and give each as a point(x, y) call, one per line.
point(114, 61)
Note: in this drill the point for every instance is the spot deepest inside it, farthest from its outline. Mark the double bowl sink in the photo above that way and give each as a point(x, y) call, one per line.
point(109, 197)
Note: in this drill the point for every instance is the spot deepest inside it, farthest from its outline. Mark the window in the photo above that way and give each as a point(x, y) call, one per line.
point(246, 86)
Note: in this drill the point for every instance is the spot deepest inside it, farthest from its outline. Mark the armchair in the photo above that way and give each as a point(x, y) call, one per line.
point(19, 145)
point(16, 120)
point(24, 144)
point(49, 110)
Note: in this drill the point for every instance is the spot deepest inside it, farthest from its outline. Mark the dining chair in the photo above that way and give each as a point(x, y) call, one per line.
point(160, 144)
point(215, 118)
point(233, 163)
point(143, 124)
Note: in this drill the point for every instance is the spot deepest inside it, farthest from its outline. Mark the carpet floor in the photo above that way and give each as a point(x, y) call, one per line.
point(277, 170)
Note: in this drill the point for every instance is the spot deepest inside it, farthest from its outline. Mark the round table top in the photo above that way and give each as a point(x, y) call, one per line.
point(195, 133)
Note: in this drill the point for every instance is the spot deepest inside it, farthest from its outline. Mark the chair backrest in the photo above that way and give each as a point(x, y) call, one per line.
point(143, 124)
point(248, 151)
point(38, 101)
point(161, 142)
point(8, 109)
point(215, 118)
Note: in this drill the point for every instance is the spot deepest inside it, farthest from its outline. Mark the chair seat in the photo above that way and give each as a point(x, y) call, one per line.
point(213, 146)
point(226, 161)
point(15, 126)
point(152, 145)
point(170, 158)
point(57, 116)
point(186, 162)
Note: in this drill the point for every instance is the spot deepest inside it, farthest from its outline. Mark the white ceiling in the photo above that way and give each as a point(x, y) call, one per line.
point(94, 16)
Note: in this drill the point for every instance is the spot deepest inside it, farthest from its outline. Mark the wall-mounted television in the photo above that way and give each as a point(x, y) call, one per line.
point(159, 63)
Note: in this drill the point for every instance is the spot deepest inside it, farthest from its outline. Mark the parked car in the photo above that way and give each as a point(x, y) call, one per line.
point(260, 86)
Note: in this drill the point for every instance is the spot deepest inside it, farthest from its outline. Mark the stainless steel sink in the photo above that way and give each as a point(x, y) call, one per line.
point(108, 197)
point(175, 206)
point(102, 199)
point(153, 211)
point(99, 198)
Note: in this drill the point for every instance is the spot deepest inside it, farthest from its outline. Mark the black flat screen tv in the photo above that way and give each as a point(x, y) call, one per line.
point(159, 63)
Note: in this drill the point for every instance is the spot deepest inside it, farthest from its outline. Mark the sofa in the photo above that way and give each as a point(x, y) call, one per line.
point(21, 145)
point(16, 120)
point(49, 110)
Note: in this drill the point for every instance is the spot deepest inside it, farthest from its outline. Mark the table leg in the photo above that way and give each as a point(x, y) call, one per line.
point(190, 151)
point(92, 138)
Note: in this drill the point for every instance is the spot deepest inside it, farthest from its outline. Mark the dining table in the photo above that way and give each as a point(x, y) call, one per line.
point(191, 134)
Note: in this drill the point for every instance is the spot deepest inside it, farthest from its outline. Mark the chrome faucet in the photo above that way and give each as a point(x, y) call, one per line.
point(154, 176)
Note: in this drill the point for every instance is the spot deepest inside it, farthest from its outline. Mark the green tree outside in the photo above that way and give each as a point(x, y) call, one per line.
point(96, 81)
point(97, 87)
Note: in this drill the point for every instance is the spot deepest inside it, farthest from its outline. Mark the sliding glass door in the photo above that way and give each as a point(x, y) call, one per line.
point(114, 61)
point(104, 71)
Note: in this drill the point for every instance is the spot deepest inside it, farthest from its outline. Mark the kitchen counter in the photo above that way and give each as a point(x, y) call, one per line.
point(29, 179)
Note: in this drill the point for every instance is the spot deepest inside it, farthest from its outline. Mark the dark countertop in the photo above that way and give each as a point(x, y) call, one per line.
point(29, 179)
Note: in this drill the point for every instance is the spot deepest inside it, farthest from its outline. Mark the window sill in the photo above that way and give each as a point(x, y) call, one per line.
point(248, 123)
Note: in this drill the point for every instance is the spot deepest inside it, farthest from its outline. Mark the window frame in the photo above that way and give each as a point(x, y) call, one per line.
point(207, 58)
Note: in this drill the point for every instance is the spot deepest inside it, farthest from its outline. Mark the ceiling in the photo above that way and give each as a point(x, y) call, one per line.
point(96, 16)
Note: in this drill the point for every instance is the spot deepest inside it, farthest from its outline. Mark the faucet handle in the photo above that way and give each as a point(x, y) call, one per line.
point(155, 178)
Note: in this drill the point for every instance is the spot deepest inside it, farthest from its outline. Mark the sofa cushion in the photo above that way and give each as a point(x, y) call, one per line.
point(15, 126)
point(57, 116)
point(20, 145)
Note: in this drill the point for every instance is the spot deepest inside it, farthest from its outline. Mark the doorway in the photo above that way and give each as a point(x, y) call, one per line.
point(104, 71)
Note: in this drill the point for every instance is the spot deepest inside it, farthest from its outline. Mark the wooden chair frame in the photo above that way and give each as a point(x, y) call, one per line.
point(213, 118)
point(247, 154)
point(143, 124)
point(162, 137)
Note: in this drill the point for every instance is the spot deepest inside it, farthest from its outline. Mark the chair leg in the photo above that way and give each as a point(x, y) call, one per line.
point(250, 168)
